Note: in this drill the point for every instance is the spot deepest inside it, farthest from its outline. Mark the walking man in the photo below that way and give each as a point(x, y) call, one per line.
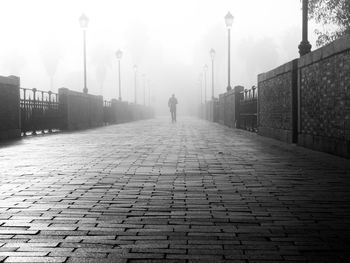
point(172, 105)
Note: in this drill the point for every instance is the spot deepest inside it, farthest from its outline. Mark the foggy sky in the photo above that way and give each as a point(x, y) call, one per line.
point(168, 40)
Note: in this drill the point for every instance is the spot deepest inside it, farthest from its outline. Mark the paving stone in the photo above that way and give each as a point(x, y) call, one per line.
point(95, 260)
point(23, 254)
point(151, 191)
point(35, 259)
point(155, 261)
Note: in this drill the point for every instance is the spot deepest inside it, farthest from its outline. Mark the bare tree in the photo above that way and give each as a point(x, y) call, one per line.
point(51, 54)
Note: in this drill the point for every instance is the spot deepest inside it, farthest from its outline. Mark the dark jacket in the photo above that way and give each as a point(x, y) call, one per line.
point(172, 104)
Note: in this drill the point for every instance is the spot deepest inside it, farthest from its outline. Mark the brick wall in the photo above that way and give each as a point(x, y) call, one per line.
point(324, 93)
point(307, 101)
point(276, 108)
point(9, 108)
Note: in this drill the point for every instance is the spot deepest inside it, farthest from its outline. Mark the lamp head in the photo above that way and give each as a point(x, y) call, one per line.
point(229, 20)
point(84, 21)
point(119, 54)
point(212, 53)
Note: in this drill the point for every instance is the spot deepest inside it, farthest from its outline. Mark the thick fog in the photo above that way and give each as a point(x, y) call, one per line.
point(168, 40)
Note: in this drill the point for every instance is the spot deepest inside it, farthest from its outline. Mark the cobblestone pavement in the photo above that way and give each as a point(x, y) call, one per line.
point(152, 191)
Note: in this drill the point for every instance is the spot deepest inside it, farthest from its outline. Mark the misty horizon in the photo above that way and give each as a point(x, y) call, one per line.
point(168, 41)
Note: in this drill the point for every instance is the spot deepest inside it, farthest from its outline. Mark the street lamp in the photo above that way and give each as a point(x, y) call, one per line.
point(229, 22)
point(205, 82)
point(305, 46)
point(119, 55)
point(212, 55)
point(84, 21)
point(135, 71)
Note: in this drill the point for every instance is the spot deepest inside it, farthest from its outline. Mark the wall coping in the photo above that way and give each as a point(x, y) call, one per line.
point(229, 92)
point(235, 90)
point(77, 93)
point(340, 45)
point(287, 67)
point(238, 88)
point(10, 80)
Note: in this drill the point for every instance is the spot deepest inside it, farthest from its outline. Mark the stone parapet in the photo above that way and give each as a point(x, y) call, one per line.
point(277, 107)
point(307, 100)
point(324, 98)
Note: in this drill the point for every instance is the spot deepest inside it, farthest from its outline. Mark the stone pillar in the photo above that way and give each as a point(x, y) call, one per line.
point(63, 107)
point(80, 110)
point(10, 121)
point(238, 96)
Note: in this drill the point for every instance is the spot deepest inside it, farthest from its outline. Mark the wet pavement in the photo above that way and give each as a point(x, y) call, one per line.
point(152, 191)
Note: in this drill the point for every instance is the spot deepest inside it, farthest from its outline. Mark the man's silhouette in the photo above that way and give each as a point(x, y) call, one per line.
point(172, 105)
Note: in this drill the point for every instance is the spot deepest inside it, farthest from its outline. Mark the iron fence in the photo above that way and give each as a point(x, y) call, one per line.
point(248, 108)
point(39, 111)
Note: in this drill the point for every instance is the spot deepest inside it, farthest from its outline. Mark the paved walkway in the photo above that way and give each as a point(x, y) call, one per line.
point(152, 191)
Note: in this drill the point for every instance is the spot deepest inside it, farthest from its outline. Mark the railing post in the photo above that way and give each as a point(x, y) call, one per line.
point(42, 112)
point(34, 112)
point(50, 93)
point(254, 109)
point(49, 110)
point(245, 94)
point(253, 89)
point(25, 111)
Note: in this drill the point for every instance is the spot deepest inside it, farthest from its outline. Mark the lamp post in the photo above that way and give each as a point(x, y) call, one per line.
point(144, 89)
point(205, 82)
point(212, 55)
point(84, 21)
point(149, 92)
point(201, 86)
point(119, 55)
point(305, 46)
point(135, 89)
point(229, 22)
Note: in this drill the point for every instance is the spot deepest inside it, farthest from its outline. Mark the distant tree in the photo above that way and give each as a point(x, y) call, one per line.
point(333, 15)
point(101, 56)
point(51, 54)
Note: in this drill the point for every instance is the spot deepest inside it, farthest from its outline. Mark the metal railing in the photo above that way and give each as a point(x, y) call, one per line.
point(248, 107)
point(39, 111)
